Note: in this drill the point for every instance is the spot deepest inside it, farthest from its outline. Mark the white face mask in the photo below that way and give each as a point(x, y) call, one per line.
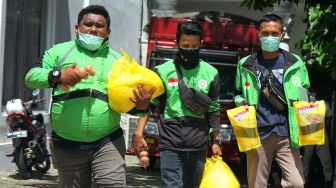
point(90, 42)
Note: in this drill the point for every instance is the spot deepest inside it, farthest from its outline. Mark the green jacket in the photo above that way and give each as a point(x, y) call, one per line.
point(295, 76)
point(200, 78)
point(181, 129)
point(83, 113)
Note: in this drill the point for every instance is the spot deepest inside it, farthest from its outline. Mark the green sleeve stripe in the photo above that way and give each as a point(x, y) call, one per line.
point(154, 102)
point(37, 78)
point(214, 106)
point(116, 55)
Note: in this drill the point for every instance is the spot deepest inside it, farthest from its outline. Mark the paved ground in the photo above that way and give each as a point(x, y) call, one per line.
point(136, 177)
point(3, 131)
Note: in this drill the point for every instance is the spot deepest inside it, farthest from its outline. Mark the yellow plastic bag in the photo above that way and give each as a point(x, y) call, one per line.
point(217, 174)
point(124, 77)
point(310, 117)
point(244, 124)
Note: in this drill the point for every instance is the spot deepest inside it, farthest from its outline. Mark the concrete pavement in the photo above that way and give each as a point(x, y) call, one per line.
point(3, 132)
point(136, 177)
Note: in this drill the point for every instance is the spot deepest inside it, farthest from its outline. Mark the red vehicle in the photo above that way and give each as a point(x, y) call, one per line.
point(223, 45)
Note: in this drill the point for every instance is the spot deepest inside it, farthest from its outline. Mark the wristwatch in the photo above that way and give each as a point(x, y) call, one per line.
point(54, 78)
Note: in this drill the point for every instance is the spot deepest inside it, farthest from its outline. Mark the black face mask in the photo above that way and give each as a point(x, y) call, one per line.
point(188, 58)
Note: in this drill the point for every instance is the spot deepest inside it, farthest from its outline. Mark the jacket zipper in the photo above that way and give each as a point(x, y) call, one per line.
point(88, 122)
point(90, 107)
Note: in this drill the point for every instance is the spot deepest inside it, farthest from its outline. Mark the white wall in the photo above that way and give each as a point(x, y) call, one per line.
point(2, 49)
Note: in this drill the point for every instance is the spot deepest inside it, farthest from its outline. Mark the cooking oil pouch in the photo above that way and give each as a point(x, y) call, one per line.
point(217, 174)
point(244, 123)
point(310, 117)
point(124, 77)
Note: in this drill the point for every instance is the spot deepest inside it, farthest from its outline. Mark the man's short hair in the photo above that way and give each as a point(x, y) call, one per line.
point(189, 28)
point(94, 9)
point(271, 18)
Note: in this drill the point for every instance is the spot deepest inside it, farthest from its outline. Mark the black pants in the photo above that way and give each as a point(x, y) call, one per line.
point(323, 153)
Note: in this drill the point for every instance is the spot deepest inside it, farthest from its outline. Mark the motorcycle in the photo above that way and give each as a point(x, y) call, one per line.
point(28, 134)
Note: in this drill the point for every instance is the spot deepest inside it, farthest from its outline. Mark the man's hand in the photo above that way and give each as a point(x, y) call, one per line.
point(142, 97)
point(312, 99)
point(70, 75)
point(245, 103)
point(216, 150)
point(139, 144)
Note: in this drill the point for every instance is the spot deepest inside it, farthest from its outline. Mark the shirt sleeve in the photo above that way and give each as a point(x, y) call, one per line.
point(304, 77)
point(214, 112)
point(238, 87)
point(37, 76)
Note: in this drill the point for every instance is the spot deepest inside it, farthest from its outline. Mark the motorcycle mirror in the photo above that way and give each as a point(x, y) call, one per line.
point(36, 92)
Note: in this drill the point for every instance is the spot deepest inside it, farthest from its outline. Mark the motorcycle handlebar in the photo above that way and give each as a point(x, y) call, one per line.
point(40, 100)
point(34, 102)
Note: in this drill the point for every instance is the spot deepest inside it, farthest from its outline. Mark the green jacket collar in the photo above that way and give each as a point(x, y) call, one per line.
point(102, 48)
point(250, 62)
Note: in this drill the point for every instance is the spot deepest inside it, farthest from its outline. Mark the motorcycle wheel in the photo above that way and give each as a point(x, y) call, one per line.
point(44, 166)
point(24, 169)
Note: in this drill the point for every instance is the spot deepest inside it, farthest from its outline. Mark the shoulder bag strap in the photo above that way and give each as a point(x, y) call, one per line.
point(178, 71)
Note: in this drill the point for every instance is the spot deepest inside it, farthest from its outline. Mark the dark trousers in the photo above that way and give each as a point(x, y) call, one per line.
point(323, 153)
point(181, 169)
point(105, 165)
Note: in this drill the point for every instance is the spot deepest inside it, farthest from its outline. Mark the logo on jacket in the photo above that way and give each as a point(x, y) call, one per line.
point(202, 84)
point(172, 82)
point(247, 85)
point(296, 81)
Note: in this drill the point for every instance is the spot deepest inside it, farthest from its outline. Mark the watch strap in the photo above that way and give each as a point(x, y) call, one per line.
point(53, 79)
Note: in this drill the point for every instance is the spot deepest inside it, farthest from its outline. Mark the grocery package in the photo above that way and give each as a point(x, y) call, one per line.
point(124, 78)
point(310, 117)
point(217, 174)
point(143, 159)
point(244, 123)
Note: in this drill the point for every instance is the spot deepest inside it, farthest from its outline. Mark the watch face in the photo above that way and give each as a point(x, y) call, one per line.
point(56, 73)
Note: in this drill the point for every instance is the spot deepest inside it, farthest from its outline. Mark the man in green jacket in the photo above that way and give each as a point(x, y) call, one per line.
point(87, 141)
point(277, 127)
point(184, 132)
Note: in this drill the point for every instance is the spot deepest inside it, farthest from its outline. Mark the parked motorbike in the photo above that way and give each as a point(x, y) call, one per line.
point(28, 134)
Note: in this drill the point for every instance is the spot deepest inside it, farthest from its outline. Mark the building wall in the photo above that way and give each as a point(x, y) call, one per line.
point(2, 49)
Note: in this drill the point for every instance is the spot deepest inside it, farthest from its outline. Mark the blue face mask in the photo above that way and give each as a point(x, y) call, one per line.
point(90, 42)
point(270, 44)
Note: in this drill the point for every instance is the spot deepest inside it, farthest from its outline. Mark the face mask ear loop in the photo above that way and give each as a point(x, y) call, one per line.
point(106, 37)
